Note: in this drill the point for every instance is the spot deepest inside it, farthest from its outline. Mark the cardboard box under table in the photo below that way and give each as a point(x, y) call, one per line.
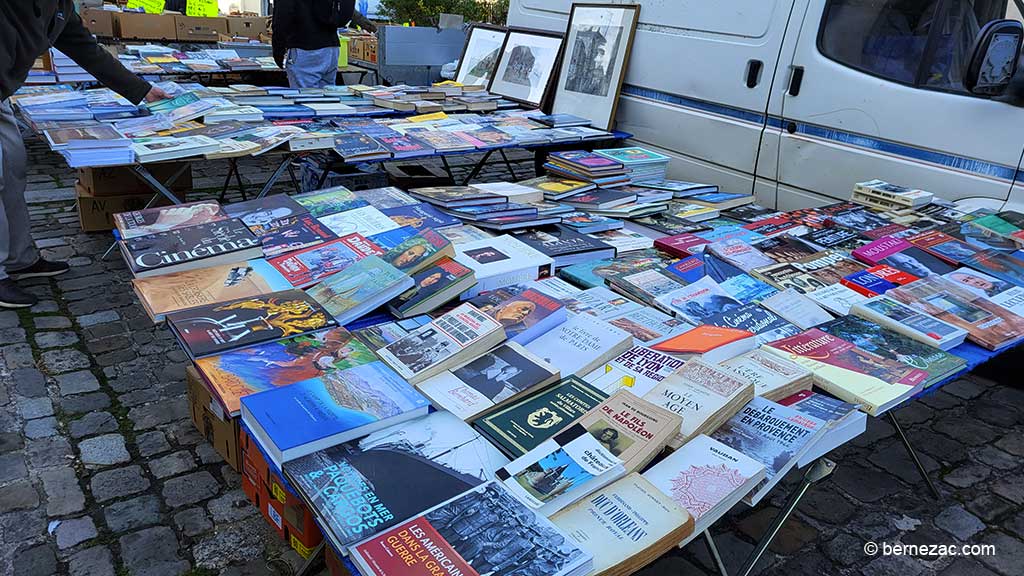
point(139, 26)
point(211, 421)
point(120, 180)
point(246, 26)
point(96, 213)
point(102, 23)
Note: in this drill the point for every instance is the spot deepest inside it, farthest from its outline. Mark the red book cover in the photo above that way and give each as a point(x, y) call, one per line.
point(680, 245)
point(828, 349)
point(893, 275)
point(944, 246)
point(772, 226)
point(305, 267)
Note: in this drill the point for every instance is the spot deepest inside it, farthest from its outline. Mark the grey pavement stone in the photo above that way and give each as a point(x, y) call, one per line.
point(1009, 556)
point(41, 428)
point(104, 450)
point(29, 408)
point(1011, 488)
point(989, 507)
point(51, 322)
point(55, 339)
point(81, 403)
point(110, 484)
point(207, 454)
point(18, 356)
point(172, 464)
point(77, 383)
point(91, 424)
point(959, 522)
point(967, 476)
point(38, 560)
point(19, 495)
point(192, 522)
point(64, 360)
point(44, 306)
point(29, 382)
point(63, 494)
point(12, 335)
point(997, 459)
point(231, 507)
point(74, 531)
point(162, 412)
point(10, 441)
point(9, 319)
point(49, 452)
point(132, 514)
point(152, 552)
point(965, 567)
point(151, 443)
point(95, 318)
point(190, 489)
point(12, 467)
point(889, 565)
point(844, 549)
point(95, 561)
point(1013, 443)
point(244, 541)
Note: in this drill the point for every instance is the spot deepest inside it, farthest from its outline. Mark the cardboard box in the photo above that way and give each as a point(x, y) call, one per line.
point(120, 180)
point(99, 22)
point(218, 428)
point(139, 26)
point(246, 26)
point(194, 29)
point(96, 213)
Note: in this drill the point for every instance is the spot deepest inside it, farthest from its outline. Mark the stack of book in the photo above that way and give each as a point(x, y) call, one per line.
point(588, 167)
point(641, 165)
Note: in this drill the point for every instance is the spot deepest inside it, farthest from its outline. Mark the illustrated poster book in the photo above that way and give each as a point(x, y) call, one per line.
point(169, 293)
point(446, 342)
point(294, 233)
point(444, 454)
point(638, 370)
point(473, 544)
point(303, 268)
point(179, 249)
point(850, 373)
point(580, 344)
point(152, 220)
point(238, 373)
point(774, 435)
point(360, 288)
point(330, 201)
point(522, 426)
point(310, 415)
point(561, 470)
point(525, 315)
point(499, 377)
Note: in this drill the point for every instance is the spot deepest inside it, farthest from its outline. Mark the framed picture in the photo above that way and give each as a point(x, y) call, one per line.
point(526, 66)
point(597, 46)
point(480, 55)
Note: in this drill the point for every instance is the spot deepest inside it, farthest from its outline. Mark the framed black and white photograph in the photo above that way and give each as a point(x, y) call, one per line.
point(526, 66)
point(597, 47)
point(480, 55)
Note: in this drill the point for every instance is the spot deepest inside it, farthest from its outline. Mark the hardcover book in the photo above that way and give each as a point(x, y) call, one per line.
point(698, 300)
point(360, 288)
point(411, 250)
point(999, 291)
point(1003, 266)
point(420, 216)
point(301, 418)
point(153, 220)
point(303, 268)
point(922, 327)
point(238, 373)
point(294, 233)
point(580, 344)
point(525, 315)
point(218, 328)
point(713, 344)
point(502, 261)
point(445, 456)
point(564, 245)
point(648, 326)
point(330, 201)
point(432, 287)
point(899, 253)
point(263, 211)
point(591, 274)
point(180, 249)
point(387, 197)
point(843, 422)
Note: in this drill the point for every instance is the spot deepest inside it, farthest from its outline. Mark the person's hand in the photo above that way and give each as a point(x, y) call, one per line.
point(155, 94)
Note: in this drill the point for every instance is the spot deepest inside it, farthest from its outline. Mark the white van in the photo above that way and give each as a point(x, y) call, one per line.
point(797, 100)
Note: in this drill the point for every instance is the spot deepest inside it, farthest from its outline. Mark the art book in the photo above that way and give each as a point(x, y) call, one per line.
point(565, 245)
point(638, 370)
point(361, 488)
point(218, 328)
point(169, 293)
point(360, 288)
point(180, 249)
point(420, 216)
point(496, 378)
point(304, 268)
point(1003, 266)
point(330, 201)
point(502, 261)
point(294, 233)
point(560, 470)
point(591, 274)
point(501, 532)
point(850, 373)
point(298, 419)
point(239, 373)
point(774, 435)
point(152, 220)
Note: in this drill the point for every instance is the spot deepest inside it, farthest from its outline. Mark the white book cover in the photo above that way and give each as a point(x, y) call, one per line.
point(796, 308)
point(649, 326)
point(580, 344)
point(502, 261)
point(999, 291)
point(698, 300)
point(638, 370)
point(837, 298)
point(705, 476)
point(366, 221)
point(555, 287)
point(739, 254)
point(601, 303)
point(623, 240)
point(561, 470)
point(766, 371)
point(514, 192)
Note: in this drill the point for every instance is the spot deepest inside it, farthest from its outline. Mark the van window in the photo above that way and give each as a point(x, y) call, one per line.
point(924, 43)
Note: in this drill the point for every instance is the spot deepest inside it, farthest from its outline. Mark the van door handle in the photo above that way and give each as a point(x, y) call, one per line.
point(754, 72)
point(796, 80)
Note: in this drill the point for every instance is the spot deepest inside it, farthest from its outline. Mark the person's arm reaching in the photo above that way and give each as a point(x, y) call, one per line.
point(78, 43)
point(280, 27)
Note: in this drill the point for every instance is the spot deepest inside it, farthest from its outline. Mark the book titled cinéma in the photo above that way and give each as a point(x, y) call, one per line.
point(179, 249)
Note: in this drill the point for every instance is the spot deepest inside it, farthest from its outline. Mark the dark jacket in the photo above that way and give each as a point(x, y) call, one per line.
point(303, 24)
point(29, 27)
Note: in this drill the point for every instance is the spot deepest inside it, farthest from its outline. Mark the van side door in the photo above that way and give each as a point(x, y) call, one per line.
point(873, 90)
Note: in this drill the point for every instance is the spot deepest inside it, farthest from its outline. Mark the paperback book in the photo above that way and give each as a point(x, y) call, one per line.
point(637, 370)
point(580, 344)
point(445, 280)
point(360, 288)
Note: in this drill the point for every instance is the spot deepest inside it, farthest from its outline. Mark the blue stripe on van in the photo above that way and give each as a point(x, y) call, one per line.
point(814, 131)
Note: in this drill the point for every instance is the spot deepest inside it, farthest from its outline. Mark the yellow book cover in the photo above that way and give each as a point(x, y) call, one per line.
point(178, 291)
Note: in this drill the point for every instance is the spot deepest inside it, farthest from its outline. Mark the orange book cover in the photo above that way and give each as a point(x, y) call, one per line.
point(701, 339)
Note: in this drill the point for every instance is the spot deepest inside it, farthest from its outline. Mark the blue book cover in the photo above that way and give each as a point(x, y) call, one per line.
point(287, 111)
point(717, 197)
point(870, 282)
point(746, 288)
point(592, 274)
point(688, 269)
point(728, 233)
point(392, 238)
point(420, 216)
point(301, 418)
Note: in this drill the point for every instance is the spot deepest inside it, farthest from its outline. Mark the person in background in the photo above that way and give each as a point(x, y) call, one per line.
point(28, 29)
point(305, 39)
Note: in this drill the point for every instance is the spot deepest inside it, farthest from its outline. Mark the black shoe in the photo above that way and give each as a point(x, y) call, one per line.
point(39, 269)
point(12, 296)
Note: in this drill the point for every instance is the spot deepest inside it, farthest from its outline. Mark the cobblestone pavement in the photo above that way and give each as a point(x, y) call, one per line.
point(102, 472)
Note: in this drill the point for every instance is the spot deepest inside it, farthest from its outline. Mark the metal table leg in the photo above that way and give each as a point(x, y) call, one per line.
point(713, 550)
point(817, 472)
point(478, 167)
point(276, 175)
point(313, 563)
point(913, 456)
point(508, 164)
point(447, 167)
point(161, 189)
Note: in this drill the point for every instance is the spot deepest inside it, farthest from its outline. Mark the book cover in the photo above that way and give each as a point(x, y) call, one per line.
point(588, 161)
point(886, 311)
point(405, 146)
point(648, 326)
point(638, 370)
point(411, 250)
point(294, 233)
point(787, 275)
point(600, 302)
point(698, 300)
point(999, 291)
point(363, 285)
point(263, 211)
point(580, 344)
point(238, 373)
point(630, 428)
point(150, 253)
point(646, 285)
point(501, 533)
point(306, 267)
point(361, 488)
point(829, 266)
point(387, 197)
point(330, 201)
point(502, 261)
point(681, 245)
point(218, 328)
point(177, 291)
point(1003, 266)
point(836, 298)
point(523, 425)
point(559, 241)
point(867, 284)
point(442, 276)
point(153, 220)
point(944, 246)
point(690, 269)
point(796, 308)
point(701, 339)
point(420, 216)
point(524, 315)
point(899, 253)
point(591, 274)
point(365, 220)
point(295, 420)
point(772, 375)
point(353, 146)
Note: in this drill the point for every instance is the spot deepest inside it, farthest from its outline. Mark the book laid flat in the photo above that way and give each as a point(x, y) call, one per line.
point(703, 394)
point(179, 249)
point(303, 268)
point(432, 287)
point(843, 422)
point(707, 478)
point(580, 344)
point(773, 434)
point(330, 201)
point(497, 378)
point(525, 314)
point(152, 220)
point(560, 470)
point(444, 454)
point(714, 344)
point(261, 211)
point(411, 250)
point(637, 370)
point(625, 525)
point(922, 327)
point(293, 233)
point(238, 373)
point(217, 328)
point(1003, 293)
point(169, 293)
point(360, 288)
point(773, 376)
point(503, 530)
point(502, 261)
point(850, 373)
point(446, 342)
point(310, 415)
point(632, 429)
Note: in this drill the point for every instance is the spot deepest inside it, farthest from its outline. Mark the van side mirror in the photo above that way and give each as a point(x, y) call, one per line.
point(994, 58)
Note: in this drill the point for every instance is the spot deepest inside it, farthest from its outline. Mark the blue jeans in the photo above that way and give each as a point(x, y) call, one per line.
point(312, 68)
